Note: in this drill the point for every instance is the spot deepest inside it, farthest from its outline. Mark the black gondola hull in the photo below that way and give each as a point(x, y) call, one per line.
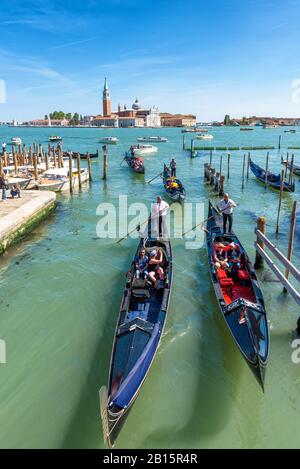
point(245, 318)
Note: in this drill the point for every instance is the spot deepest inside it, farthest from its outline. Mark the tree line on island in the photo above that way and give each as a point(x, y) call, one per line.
point(73, 119)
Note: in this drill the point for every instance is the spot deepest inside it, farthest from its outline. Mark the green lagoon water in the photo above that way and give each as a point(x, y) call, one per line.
point(60, 291)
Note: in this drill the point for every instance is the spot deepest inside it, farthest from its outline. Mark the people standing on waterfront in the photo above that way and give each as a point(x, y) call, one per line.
point(3, 186)
point(173, 167)
point(3, 147)
point(226, 205)
point(158, 218)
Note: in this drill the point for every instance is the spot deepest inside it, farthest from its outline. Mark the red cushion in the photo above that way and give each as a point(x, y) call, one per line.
point(243, 275)
point(221, 273)
point(226, 282)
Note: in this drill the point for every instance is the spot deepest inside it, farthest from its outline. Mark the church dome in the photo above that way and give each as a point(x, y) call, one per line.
point(136, 105)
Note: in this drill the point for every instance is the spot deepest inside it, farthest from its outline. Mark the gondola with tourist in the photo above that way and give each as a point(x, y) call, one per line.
point(136, 163)
point(141, 321)
point(173, 186)
point(273, 180)
point(238, 294)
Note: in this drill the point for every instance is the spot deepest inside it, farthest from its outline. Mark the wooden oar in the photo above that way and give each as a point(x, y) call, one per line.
point(204, 221)
point(148, 182)
point(137, 228)
point(123, 160)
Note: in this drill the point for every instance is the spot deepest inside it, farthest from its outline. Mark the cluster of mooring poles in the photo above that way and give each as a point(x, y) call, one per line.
point(262, 243)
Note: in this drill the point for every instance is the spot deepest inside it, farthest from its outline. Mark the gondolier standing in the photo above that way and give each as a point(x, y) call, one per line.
point(173, 167)
point(226, 206)
point(158, 217)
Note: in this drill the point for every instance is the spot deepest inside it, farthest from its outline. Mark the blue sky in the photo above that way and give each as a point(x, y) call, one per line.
point(206, 58)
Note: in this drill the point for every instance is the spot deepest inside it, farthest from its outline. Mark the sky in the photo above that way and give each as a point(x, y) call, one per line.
point(206, 58)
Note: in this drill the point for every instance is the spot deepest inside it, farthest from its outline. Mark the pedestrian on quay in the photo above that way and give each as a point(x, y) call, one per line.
point(3, 186)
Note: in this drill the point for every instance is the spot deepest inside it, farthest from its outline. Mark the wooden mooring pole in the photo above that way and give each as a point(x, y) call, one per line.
point(243, 174)
point(104, 148)
point(248, 165)
point(71, 172)
point(286, 166)
point(79, 171)
point(35, 157)
point(291, 170)
point(221, 187)
point(267, 169)
point(261, 226)
point(210, 158)
point(221, 164)
point(192, 147)
point(279, 142)
point(89, 166)
point(228, 165)
point(280, 200)
point(183, 141)
point(291, 237)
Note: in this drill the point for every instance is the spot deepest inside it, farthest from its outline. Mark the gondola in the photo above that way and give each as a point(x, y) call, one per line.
point(176, 194)
point(240, 298)
point(140, 326)
point(136, 163)
point(296, 168)
point(273, 180)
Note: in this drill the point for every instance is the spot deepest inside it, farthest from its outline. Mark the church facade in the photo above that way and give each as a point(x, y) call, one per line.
point(136, 116)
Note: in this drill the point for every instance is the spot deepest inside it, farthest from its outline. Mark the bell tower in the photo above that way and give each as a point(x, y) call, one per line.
point(106, 100)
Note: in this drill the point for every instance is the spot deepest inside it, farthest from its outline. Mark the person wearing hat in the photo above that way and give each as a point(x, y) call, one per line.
point(155, 269)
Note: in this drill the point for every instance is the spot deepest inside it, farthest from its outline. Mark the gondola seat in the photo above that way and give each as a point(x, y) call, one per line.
point(243, 276)
point(141, 293)
point(222, 274)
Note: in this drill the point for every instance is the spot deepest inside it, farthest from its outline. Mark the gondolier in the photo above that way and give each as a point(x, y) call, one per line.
point(158, 217)
point(226, 206)
point(173, 167)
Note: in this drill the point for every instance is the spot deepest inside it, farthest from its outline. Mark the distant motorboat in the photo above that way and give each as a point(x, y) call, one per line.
point(141, 150)
point(194, 129)
point(16, 141)
point(204, 137)
point(152, 139)
point(270, 126)
point(290, 131)
point(245, 129)
point(109, 140)
point(55, 138)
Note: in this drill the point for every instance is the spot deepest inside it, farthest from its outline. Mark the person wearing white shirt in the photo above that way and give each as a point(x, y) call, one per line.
point(158, 215)
point(226, 206)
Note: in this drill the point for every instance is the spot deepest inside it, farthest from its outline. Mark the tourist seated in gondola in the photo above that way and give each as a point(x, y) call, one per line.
point(173, 185)
point(234, 257)
point(156, 272)
point(220, 256)
point(141, 263)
